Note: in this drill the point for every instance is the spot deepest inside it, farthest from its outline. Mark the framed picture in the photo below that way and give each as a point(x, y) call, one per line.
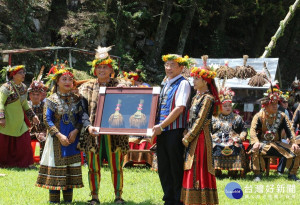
point(127, 111)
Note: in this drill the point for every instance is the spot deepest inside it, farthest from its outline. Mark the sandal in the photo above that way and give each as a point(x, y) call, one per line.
point(93, 201)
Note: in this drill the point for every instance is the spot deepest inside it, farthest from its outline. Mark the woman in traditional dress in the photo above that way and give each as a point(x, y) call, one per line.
point(15, 147)
point(228, 133)
point(199, 182)
point(61, 161)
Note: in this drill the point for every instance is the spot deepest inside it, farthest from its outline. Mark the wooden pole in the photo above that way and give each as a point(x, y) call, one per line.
point(280, 30)
point(70, 58)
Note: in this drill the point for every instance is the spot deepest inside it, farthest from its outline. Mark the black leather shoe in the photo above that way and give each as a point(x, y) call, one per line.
point(257, 178)
point(294, 178)
point(93, 202)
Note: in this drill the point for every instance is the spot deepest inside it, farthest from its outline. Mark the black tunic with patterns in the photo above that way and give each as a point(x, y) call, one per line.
point(228, 133)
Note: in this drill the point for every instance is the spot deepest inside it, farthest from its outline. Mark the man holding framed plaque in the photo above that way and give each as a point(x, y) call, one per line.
point(91, 142)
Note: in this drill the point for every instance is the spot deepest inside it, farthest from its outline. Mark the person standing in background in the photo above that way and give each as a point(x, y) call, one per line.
point(15, 144)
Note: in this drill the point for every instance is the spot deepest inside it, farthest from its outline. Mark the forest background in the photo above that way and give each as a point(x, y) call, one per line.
point(144, 30)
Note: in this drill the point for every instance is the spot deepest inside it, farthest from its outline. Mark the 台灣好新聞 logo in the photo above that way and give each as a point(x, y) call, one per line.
point(233, 190)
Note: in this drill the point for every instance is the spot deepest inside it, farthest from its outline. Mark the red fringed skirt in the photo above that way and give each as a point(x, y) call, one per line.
point(15, 151)
point(199, 186)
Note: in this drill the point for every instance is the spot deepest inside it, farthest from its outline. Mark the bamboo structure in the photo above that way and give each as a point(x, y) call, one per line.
point(280, 30)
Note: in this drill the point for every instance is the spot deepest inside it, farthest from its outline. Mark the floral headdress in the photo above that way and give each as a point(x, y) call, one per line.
point(208, 74)
point(102, 58)
point(11, 71)
point(133, 75)
point(8, 72)
point(205, 72)
point(52, 78)
point(182, 61)
point(61, 72)
point(56, 66)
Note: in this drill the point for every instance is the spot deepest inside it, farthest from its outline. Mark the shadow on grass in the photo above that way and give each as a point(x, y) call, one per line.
point(146, 202)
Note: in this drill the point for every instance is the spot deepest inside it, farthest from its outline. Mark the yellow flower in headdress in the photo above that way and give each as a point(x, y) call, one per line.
point(182, 61)
point(285, 96)
point(16, 68)
point(63, 71)
point(203, 72)
point(11, 71)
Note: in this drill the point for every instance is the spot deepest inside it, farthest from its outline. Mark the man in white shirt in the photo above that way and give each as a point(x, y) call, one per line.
point(171, 122)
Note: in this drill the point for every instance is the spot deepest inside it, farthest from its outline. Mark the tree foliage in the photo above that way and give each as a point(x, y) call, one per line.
point(219, 28)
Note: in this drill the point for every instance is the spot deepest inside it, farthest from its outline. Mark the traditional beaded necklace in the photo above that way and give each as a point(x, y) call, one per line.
point(226, 117)
point(274, 126)
point(270, 115)
point(66, 104)
point(34, 106)
point(202, 93)
point(226, 122)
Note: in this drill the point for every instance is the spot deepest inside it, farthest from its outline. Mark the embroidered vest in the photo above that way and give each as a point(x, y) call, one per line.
point(167, 104)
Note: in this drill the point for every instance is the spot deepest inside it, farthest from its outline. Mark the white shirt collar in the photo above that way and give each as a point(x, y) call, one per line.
point(170, 81)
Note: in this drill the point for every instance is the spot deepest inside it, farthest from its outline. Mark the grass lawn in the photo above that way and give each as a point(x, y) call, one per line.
point(142, 186)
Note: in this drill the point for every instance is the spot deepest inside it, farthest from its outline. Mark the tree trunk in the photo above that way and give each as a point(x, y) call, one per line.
point(218, 40)
point(259, 35)
point(107, 5)
point(186, 27)
point(160, 35)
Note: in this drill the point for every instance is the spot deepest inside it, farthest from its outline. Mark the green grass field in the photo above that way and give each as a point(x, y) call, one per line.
point(142, 186)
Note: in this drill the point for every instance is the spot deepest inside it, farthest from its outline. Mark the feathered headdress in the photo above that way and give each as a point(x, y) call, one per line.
point(102, 58)
point(38, 85)
point(272, 95)
point(225, 93)
point(296, 84)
